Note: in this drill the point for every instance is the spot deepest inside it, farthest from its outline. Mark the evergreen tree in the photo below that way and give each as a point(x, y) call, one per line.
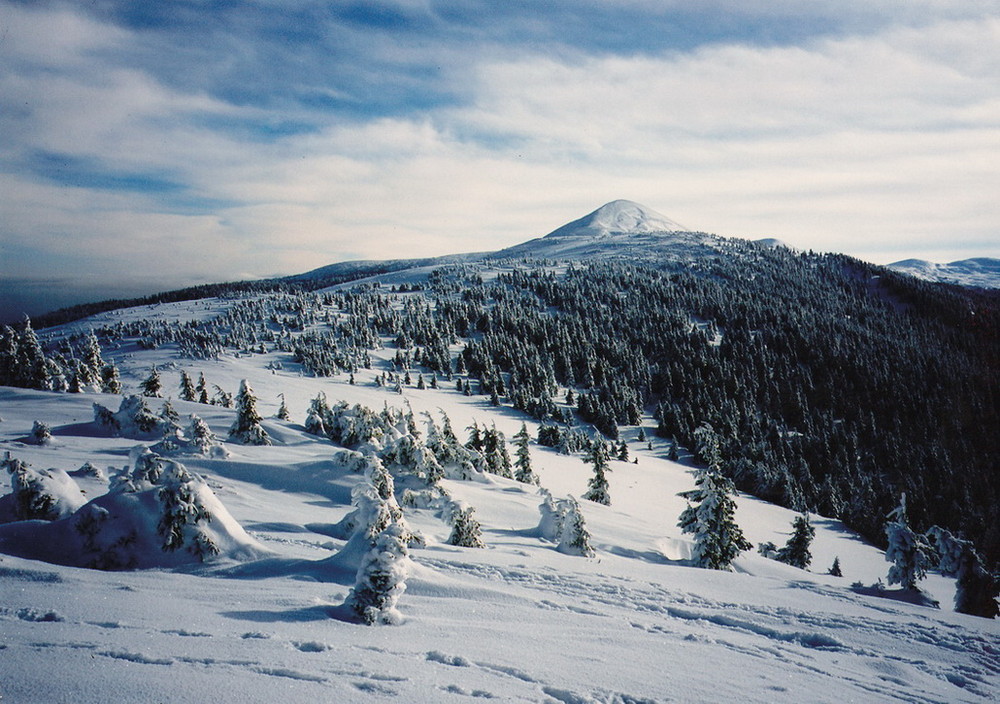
point(110, 381)
point(188, 392)
point(495, 453)
point(247, 428)
point(40, 433)
point(381, 579)
point(465, 529)
point(796, 550)
point(574, 538)
point(202, 389)
point(909, 552)
point(717, 539)
point(623, 451)
point(523, 471)
point(976, 589)
point(476, 441)
point(152, 385)
point(31, 368)
point(283, 413)
point(835, 570)
point(597, 487)
point(93, 363)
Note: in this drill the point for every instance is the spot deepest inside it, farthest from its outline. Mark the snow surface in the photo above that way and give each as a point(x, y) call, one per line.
point(517, 621)
point(982, 272)
point(618, 217)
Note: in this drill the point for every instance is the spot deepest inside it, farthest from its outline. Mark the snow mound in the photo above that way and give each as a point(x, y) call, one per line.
point(38, 494)
point(157, 514)
point(619, 217)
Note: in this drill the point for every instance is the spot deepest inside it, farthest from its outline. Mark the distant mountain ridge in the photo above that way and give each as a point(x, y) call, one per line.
point(981, 272)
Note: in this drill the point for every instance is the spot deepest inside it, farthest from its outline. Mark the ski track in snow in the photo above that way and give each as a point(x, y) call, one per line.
point(781, 632)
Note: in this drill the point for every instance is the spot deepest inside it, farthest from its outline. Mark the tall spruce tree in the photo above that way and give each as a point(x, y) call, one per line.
point(247, 428)
point(796, 550)
point(710, 517)
point(523, 471)
point(909, 552)
point(597, 487)
point(187, 389)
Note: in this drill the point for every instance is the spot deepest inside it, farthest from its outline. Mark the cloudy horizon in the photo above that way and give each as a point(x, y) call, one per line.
point(146, 146)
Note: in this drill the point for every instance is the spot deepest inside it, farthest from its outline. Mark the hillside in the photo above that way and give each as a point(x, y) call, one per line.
point(982, 272)
point(634, 623)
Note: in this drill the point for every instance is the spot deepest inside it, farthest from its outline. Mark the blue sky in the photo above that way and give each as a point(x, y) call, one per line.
point(154, 145)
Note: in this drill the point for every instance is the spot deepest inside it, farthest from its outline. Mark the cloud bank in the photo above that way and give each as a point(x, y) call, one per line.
point(154, 145)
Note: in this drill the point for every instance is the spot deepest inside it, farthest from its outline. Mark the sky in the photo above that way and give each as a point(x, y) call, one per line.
point(147, 146)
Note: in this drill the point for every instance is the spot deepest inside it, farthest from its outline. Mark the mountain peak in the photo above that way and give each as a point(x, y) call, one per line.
point(620, 217)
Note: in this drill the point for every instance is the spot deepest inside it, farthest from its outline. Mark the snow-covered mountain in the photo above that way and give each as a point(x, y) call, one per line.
point(619, 229)
point(982, 272)
point(229, 568)
point(619, 217)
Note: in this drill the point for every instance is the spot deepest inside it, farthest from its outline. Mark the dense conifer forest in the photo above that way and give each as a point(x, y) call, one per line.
point(826, 383)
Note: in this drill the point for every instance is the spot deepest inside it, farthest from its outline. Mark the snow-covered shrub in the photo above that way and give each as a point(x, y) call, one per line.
point(134, 419)
point(381, 578)
point(183, 512)
point(40, 433)
point(46, 494)
point(562, 522)
point(89, 469)
point(156, 513)
point(550, 524)
point(197, 439)
point(768, 550)
point(376, 507)
point(465, 529)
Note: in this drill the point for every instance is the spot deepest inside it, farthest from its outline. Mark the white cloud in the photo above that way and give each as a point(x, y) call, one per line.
point(881, 145)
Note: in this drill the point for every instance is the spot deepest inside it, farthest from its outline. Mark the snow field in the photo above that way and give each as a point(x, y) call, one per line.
point(517, 621)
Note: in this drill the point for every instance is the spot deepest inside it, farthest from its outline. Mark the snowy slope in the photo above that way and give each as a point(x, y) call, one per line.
point(517, 621)
point(983, 272)
point(618, 217)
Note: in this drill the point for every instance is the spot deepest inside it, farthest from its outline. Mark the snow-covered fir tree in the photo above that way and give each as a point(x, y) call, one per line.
point(523, 471)
point(92, 363)
point(110, 381)
point(710, 518)
point(183, 514)
point(574, 538)
point(381, 578)
point(796, 550)
point(283, 413)
point(597, 487)
point(465, 529)
point(909, 551)
point(976, 589)
point(151, 385)
point(187, 389)
point(202, 389)
point(246, 428)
